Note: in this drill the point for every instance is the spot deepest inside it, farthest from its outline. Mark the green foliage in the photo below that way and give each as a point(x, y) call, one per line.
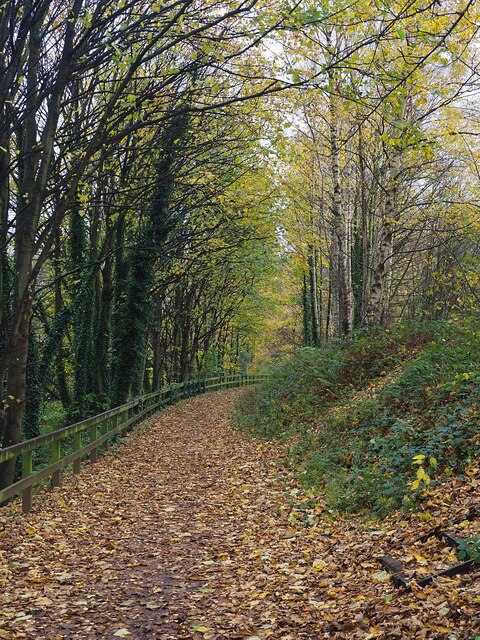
point(297, 390)
point(129, 341)
point(134, 312)
point(34, 390)
point(83, 324)
point(78, 237)
point(53, 416)
point(369, 352)
point(315, 378)
point(359, 438)
point(448, 365)
point(424, 464)
point(470, 549)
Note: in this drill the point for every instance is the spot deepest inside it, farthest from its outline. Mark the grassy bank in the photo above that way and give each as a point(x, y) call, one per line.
point(358, 414)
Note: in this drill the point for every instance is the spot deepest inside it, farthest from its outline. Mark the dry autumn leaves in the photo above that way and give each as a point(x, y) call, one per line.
point(191, 531)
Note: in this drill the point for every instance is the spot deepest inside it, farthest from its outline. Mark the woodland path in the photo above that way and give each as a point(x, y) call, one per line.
point(192, 531)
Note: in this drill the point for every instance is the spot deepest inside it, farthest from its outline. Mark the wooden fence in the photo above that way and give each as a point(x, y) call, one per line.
point(48, 454)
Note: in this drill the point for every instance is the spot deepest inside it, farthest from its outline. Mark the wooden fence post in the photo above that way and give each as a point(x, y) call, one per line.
point(93, 437)
point(105, 429)
point(126, 415)
point(77, 445)
point(27, 469)
point(56, 457)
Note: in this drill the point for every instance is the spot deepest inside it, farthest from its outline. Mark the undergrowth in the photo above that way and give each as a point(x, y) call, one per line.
point(356, 413)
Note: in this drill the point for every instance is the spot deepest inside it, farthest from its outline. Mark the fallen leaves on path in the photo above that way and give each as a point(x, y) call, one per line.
point(191, 531)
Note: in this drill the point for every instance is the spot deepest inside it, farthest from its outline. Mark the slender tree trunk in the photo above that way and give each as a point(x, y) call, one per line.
point(25, 228)
point(307, 312)
point(375, 308)
point(316, 322)
point(364, 247)
point(5, 277)
point(102, 340)
point(60, 357)
point(157, 330)
point(342, 280)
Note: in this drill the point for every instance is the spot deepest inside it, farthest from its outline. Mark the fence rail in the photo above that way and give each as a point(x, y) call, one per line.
point(70, 444)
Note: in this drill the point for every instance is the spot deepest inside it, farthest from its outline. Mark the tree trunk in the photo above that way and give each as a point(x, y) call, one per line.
point(375, 308)
point(60, 356)
point(342, 263)
point(307, 313)
point(316, 321)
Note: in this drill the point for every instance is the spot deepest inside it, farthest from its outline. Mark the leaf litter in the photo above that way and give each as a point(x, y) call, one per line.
point(192, 531)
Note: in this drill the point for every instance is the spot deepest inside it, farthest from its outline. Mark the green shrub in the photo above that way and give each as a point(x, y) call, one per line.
point(470, 549)
point(52, 417)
